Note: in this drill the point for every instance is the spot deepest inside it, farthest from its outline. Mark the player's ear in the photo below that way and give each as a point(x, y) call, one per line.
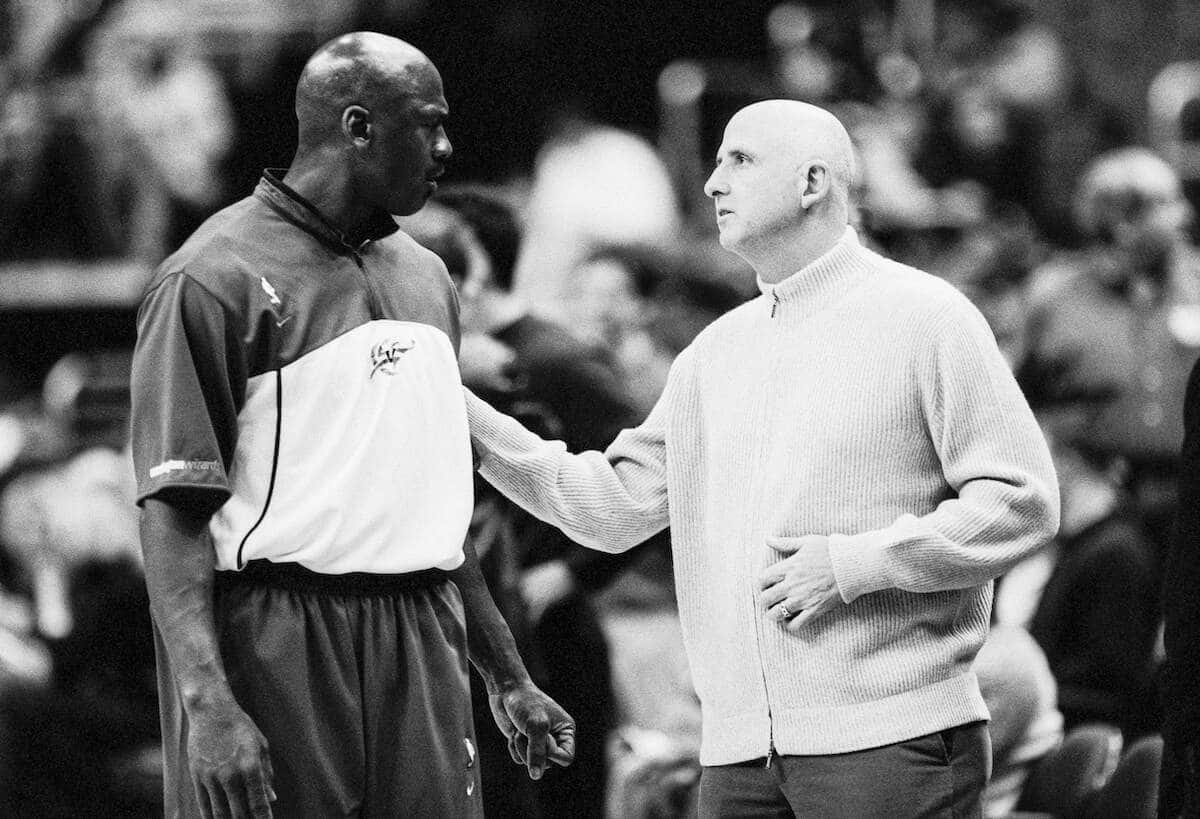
point(356, 124)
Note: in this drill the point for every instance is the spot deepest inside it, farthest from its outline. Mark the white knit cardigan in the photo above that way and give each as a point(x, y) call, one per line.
point(859, 399)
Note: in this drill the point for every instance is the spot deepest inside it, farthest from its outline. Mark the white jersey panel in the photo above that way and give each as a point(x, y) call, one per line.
point(374, 471)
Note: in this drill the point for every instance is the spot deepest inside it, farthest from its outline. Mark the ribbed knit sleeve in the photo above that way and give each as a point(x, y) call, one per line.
point(994, 458)
point(609, 501)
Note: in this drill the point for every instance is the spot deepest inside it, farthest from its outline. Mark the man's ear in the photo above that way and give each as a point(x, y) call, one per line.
point(356, 124)
point(815, 183)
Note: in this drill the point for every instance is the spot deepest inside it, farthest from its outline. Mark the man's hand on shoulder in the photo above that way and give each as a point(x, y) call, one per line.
point(538, 730)
point(801, 587)
point(230, 764)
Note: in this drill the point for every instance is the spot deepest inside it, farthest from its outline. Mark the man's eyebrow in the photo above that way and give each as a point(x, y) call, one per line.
point(433, 110)
point(730, 151)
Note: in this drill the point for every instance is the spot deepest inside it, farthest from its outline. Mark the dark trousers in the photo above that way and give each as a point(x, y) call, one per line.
point(937, 775)
point(358, 682)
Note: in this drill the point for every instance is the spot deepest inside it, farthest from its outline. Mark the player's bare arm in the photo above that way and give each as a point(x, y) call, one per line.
point(230, 764)
point(538, 730)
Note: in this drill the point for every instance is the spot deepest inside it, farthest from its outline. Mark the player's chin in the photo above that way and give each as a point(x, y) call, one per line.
point(408, 205)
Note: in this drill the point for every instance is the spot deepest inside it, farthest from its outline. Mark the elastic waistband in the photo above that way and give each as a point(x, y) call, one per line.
point(294, 577)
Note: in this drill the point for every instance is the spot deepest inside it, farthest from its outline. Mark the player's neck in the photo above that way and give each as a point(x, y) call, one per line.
point(331, 195)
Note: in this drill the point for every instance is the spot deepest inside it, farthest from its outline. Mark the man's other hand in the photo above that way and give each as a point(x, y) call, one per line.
point(801, 587)
point(538, 730)
point(231, 768)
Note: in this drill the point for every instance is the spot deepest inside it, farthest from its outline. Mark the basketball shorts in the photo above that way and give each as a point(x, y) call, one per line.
point(359, 683)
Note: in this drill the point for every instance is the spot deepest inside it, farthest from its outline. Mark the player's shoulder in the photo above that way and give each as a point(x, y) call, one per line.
point(220, 253)
point(407, 249)
point(411, 258)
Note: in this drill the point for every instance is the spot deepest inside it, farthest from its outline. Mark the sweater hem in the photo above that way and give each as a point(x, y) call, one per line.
point(839, 729)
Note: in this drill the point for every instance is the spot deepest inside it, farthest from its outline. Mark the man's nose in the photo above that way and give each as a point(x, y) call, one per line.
point(715, 184)
point(442, 149)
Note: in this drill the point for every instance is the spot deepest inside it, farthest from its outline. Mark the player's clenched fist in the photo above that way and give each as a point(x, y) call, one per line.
point(538, 730)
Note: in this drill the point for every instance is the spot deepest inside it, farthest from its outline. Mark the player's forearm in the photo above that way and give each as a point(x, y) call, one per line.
point(179, 565)
point(490, 643)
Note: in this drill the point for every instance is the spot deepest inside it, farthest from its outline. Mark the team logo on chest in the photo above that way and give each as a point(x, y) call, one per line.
point(386, 354)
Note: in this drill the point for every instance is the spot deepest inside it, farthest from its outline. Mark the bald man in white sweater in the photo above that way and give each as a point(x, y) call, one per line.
point(846, 463)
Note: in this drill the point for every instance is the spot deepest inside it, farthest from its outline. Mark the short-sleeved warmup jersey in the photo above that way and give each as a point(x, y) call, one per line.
point(313, 384)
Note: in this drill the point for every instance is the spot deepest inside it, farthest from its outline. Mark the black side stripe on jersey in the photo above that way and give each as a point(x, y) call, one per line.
point(274, 464)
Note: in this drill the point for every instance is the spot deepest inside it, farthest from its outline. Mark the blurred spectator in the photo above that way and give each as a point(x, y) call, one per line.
point(1179, 789)
point(1013, 112)
point(87, 743)
point(593, 186)
point(977, 139)
point(991, 265)
point(81, 738)
point(1096, 617)
point(1173, 105)
point(1021, 695)
point(1063, 138)
point(611, 307)
point(1115, 328)
point(909, 213)
point(817, 53)
point(164, 126)
point(113, 132)
point(57, 517)
point(83, 404)
point(567, 387)
point(49, 195)
point(654, 776)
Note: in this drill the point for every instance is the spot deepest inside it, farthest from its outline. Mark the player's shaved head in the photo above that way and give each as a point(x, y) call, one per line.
point(362, 68)
point(804, 133)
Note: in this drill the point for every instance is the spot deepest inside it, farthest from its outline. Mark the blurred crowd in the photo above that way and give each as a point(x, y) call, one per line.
point(987, 157)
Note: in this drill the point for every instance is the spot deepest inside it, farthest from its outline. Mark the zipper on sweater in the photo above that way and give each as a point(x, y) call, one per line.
point(764, 448)
point(770, 716)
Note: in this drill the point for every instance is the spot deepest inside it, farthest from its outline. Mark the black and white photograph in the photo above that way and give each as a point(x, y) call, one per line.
point(606, 410)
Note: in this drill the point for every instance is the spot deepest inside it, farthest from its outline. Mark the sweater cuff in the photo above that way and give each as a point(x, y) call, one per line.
point(859, 563)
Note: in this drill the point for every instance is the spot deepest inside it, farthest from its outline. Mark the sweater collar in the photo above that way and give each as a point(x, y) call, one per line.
point(298, 210)
point(835, 267)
